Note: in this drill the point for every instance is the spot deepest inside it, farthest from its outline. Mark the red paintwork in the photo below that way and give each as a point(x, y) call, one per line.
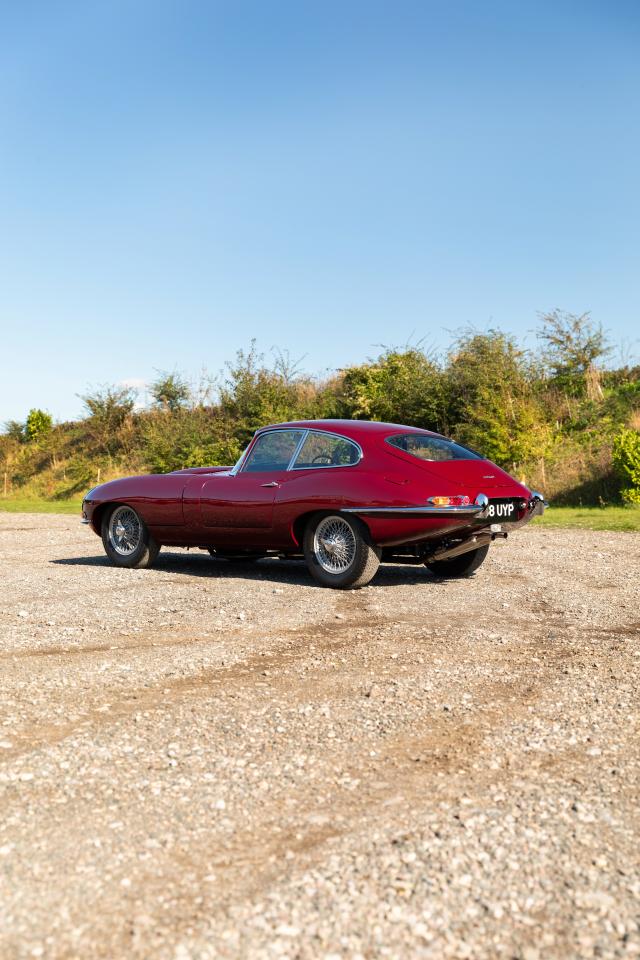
point(210, 507)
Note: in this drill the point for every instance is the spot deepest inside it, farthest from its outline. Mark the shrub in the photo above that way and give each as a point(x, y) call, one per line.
point(187, 438)
point(170, 391)
point(626, 460)
point(38, 424)
point(109, 412)
point(14, 430)
point(402, 386)
point(492, 403)
point(254, 395)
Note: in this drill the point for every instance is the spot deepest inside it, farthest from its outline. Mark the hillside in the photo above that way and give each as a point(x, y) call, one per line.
point(558, 419)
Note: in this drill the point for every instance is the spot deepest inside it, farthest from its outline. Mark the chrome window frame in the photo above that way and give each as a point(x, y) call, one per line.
point(240, 465)
point(328, 466)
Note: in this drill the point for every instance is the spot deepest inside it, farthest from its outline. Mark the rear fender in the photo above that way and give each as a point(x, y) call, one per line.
point(300, 524)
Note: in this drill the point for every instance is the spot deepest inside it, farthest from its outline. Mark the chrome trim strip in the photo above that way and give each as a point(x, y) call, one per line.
point(299, 447)
point(471, 511)
point(237, 467)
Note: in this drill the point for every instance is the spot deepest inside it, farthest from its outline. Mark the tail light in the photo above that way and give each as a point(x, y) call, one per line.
point(455, 501)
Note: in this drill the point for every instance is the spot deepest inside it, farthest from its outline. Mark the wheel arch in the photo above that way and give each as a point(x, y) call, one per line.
point(300, 523)
point(103, 508)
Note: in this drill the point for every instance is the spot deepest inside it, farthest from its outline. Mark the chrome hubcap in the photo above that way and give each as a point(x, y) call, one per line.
point(334, 545)
point(125, 531)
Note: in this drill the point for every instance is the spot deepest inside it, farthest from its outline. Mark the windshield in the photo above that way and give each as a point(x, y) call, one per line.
point(431, 448)
point(240, 460)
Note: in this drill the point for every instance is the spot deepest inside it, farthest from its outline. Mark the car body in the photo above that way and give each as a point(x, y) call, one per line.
point(411, 495)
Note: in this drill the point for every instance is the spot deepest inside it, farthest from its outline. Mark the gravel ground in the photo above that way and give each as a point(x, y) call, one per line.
point(219, 760)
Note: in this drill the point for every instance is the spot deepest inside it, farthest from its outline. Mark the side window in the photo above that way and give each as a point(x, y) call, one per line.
point(326, 450)
point(273, 451)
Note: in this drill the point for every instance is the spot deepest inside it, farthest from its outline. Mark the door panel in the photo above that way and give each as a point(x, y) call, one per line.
point(243, 501)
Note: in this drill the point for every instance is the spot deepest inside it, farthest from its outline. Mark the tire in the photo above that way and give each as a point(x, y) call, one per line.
point(126, 538)
point(339, 552)
point(462, 566)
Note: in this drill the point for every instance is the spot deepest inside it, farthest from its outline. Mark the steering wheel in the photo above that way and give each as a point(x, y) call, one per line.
point(321, 458)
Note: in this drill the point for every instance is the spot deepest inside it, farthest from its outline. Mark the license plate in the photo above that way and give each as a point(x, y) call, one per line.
point(505, 510)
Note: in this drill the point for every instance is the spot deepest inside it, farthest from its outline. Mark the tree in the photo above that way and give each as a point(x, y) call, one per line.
point(15, 430)
point(572, 347)
point(170, 391)
point(189, 438)
point(109, 408)
point(254, 395)
point(492, 403)
point(38, 424)
point(109, 404)
point(402, 386)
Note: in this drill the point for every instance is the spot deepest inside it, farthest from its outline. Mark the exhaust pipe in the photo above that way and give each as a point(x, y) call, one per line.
point(473, 543)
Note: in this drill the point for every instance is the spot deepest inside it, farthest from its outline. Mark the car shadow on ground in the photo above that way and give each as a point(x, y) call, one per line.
point(274, 570)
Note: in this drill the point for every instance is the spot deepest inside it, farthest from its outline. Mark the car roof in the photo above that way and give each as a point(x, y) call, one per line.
point(354, 429)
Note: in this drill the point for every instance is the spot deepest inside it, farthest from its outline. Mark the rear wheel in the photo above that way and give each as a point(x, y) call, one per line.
point(339, 552)
point(126, 538)
point(462, 566)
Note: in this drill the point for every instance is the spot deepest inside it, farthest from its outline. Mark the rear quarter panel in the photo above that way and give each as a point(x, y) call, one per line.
point(308, 491)
point(404, 486)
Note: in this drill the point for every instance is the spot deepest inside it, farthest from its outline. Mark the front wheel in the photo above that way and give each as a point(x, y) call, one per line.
point(126, 538)
point(462, 566)
point(339, 552)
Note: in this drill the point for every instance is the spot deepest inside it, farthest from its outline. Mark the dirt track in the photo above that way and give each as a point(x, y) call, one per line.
point(213, 760)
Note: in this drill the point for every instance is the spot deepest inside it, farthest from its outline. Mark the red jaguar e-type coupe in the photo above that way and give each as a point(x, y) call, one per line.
point(345, 494)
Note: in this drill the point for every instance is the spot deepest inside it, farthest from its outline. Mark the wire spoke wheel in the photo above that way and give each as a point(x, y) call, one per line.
point(339, 551)
point(334, 545)
point(125, 531)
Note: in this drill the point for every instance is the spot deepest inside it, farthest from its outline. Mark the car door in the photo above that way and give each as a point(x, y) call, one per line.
point(245, 499)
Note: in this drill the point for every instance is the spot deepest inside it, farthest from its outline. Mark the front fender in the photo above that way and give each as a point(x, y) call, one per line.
point(156, 497)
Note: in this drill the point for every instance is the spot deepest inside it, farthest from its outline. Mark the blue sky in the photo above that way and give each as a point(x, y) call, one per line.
point(177, 178)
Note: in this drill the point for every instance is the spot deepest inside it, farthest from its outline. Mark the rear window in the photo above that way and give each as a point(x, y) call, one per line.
point(431, 448)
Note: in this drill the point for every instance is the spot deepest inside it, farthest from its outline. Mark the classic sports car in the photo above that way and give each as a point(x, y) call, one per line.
point(345, 494)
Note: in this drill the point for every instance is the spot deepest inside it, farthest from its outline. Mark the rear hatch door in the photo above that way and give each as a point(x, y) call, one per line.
point(482, 475)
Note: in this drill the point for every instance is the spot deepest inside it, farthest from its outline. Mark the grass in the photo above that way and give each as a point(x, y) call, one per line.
point(586, 518)
point(39, 505)
point(592, 518)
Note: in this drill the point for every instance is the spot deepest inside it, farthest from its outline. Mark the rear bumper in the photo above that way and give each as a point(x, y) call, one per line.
point(477, 511)
point(536, 506)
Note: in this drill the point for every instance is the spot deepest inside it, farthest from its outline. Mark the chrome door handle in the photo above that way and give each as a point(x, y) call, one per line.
point(273, 483)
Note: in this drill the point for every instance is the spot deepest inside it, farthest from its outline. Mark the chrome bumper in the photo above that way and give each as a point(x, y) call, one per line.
point(535, 508)
point(475, 511)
